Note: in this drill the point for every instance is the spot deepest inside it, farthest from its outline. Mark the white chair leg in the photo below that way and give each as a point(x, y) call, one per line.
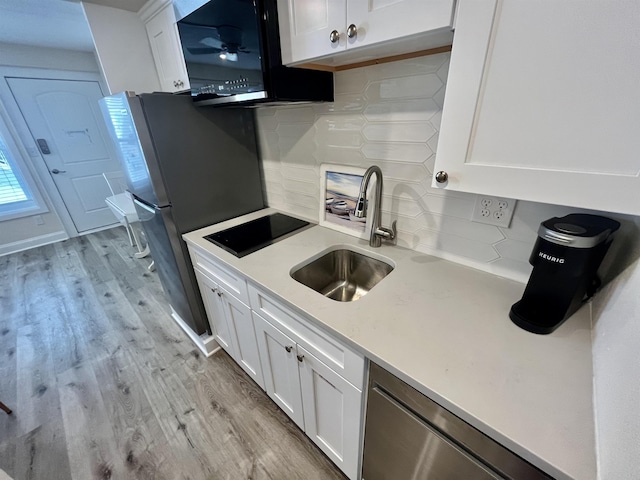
point(127, 227)
point(143, 253)
point(136, 238)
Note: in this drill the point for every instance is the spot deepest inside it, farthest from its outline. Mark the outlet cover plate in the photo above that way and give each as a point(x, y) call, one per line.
point(493, 210)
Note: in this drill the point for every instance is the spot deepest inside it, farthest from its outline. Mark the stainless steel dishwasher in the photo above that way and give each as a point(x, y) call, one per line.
point(410, 437)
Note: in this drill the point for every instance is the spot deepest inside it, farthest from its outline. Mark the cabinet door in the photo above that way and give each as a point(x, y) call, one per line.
point(243, 336)
point(167, 50)
point(381, 20)
point(306, 26)
point(541, 103)
point(213, 306)
point(280, 368)
point(332, 412)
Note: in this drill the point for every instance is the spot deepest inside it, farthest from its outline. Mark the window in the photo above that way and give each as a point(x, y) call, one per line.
point(19, 196)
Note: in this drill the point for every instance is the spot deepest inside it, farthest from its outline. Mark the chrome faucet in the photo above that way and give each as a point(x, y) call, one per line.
point(378, 232)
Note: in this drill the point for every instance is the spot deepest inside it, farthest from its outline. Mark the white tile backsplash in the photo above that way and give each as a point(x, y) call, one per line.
point(389, 115)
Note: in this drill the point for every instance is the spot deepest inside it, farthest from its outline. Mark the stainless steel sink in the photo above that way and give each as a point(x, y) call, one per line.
point(342, 275)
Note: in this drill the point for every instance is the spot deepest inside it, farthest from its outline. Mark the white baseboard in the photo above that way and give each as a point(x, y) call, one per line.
point(206, 343)
point(32, 242)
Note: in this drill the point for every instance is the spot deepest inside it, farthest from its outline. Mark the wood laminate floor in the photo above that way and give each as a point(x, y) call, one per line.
point(104, 385)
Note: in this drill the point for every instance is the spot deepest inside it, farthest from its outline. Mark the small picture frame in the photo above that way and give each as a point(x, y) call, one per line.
point(339, 188)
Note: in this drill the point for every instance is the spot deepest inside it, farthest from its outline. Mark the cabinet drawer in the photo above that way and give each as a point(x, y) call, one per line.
point(342, 360)
point(231, 281)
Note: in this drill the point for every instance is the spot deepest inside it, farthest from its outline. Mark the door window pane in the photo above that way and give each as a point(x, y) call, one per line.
point(11, 190)
point(17, 197)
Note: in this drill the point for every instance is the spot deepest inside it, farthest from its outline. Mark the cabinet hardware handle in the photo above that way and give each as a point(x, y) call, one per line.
point(175, 84)
point(288, 348)
point(214, 290)
point(300, 358)
point(334, 36)
point(219, 293)
point(352, 31)
point(56, 171)
point(442, 177)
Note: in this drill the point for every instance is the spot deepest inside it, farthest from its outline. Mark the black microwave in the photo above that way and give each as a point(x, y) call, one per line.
point(232, 52)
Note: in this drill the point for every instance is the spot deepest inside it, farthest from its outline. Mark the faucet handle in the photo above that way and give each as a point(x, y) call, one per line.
point(388, 233)
point(361, 208)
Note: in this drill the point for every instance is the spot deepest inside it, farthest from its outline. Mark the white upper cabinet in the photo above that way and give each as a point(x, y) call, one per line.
point(306, 26)
point(542, 103)
point(167, 50)
point(310, 30)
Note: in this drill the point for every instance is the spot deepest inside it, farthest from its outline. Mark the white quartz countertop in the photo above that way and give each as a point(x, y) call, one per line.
point(444, 329)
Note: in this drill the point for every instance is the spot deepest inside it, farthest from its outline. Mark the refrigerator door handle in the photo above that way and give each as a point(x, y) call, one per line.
point(145, 206)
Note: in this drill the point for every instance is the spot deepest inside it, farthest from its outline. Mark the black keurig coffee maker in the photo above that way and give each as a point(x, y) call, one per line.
point(565, 260)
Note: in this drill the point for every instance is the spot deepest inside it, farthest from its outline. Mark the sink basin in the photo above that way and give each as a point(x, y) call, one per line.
point(342, 274)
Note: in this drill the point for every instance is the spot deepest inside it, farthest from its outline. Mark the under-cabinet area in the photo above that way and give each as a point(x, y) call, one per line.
point(311, 352)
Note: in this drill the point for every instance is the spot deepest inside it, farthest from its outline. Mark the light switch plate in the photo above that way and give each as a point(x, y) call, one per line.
point(493, 210)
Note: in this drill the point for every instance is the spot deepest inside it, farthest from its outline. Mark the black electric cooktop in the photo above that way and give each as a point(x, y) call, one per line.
point(246, 238)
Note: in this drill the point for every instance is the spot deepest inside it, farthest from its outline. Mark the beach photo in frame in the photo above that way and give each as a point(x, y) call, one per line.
point(339, 187)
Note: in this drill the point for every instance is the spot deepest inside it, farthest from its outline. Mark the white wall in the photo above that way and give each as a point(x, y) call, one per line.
point(47, 58)
point(389, 115)
point(616, 363)
point(123, 49)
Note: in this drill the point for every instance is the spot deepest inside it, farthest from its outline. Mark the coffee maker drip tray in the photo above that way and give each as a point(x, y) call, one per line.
point(249, 237)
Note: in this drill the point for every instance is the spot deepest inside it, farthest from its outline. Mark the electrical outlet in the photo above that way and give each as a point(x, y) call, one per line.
point(493, 210)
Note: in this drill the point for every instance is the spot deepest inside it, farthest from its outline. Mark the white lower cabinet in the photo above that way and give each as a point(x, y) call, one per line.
point(280, 366)
point(314, 378)
point(321, 402)
point(232, 325)
point(213, 307)
point(243, 336)
point(332, 411)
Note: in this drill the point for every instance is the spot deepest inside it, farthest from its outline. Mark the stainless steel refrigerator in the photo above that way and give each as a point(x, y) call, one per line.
point(187, 167)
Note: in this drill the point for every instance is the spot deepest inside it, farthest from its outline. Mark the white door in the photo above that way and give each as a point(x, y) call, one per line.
point(306, 28)
point(381, 20)
point(280, 368)
point(332, 409)
point(65, 120)
point(167, 50)
point(542, 103)
point(243, 336)
point(213, 306)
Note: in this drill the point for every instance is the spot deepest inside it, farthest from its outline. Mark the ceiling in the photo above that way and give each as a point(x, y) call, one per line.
point(52, 23)
point(131, 5)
